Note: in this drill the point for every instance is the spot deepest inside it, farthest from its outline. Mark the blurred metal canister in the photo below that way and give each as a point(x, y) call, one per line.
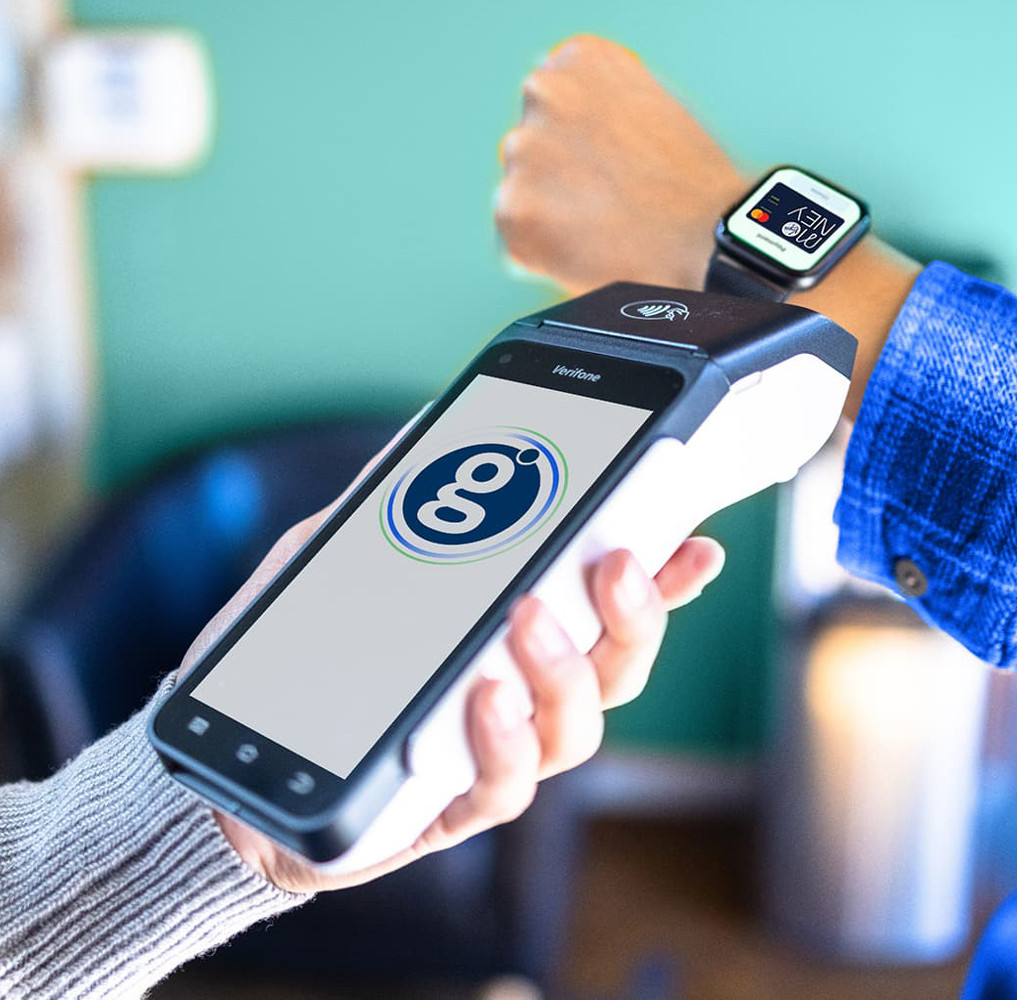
point(869, 832)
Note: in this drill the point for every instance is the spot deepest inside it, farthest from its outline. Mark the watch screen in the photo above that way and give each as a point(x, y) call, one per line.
point(794, 219)
point(800, 221)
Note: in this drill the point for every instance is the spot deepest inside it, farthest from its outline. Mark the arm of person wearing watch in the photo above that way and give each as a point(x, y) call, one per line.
point(112, 874)
point(608, 177)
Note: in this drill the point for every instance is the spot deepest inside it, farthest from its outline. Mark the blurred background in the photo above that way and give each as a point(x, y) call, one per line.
point(239, 245)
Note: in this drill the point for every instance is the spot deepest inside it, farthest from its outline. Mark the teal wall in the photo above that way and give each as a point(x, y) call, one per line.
point(336, 251)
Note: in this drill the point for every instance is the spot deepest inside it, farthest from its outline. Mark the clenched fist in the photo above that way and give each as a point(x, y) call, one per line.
point(607, 177)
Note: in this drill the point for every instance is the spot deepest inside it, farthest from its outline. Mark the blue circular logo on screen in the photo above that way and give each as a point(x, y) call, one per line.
point(476, 497)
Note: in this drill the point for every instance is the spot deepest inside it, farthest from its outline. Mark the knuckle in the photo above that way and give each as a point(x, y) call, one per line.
point(547, 93)
point(517, 217)
point(590, 740)
point(285, 547)
point(511, 201)
point(514, 144)
point(506, 219)
point(513, 806)
point(628, 686)
point(535, 87)
point(643, 632)
point(302, 530)
point(586, 42)
point(577, 745)
point(566, 688)
point(656, 624)
point(502, 803)
point(584, 47)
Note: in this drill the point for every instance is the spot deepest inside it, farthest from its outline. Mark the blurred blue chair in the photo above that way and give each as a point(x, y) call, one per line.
point(118, 610)
point(993, 971)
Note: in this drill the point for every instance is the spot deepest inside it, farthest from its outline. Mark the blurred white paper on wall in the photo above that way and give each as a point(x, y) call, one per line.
point(72, 103)
point(132, 101)
point(17, 407)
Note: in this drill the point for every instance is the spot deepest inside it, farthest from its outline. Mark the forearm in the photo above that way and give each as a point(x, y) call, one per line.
point(864, 293)
point(608, 177)
point(928, 504)
point(111, 875)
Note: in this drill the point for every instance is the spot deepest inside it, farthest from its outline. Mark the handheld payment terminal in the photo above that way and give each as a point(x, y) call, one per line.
point(331, 714)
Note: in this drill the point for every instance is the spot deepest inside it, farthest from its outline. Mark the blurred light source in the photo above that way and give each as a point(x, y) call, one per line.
point(130, 101)
point(870, 831)
point(894, 715)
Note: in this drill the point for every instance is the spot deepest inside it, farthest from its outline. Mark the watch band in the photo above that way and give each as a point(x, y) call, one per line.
point(727, 275)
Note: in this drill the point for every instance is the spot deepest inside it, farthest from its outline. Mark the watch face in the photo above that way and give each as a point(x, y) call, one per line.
point(795, 219)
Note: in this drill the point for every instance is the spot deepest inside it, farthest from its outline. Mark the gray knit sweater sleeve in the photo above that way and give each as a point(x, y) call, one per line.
point(112, 875)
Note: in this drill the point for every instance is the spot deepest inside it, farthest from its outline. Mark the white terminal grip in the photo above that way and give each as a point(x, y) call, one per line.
point(764, 428)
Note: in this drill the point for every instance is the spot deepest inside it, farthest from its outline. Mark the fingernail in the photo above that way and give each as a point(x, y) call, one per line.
point(507, 710)
point(715, 556)
point(633, 587)
point(546, 638)
point(688, 599)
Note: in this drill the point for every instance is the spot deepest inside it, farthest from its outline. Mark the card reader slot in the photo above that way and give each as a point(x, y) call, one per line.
point(665, 341)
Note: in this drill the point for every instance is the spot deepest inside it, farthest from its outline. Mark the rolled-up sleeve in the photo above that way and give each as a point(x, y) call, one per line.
point(929, 499)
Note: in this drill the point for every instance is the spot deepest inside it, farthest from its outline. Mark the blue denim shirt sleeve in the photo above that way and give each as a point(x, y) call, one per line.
point(931, 470)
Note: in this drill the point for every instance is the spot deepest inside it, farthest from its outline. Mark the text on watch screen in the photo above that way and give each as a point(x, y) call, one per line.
point(796, 219)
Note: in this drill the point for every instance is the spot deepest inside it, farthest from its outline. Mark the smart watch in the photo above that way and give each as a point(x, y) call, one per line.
point(784, 236)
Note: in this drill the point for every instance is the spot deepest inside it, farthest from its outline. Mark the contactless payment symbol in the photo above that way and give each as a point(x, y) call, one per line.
point(655, 309)
point(478, 496)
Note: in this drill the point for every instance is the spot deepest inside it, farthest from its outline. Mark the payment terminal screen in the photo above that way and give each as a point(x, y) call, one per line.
point(342, 650)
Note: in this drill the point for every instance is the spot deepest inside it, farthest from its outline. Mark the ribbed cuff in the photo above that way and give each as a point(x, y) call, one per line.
point(112, 875)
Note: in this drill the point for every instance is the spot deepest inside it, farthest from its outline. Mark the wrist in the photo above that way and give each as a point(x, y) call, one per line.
point(863, 294)
point(713, 205)
point(862, 283)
